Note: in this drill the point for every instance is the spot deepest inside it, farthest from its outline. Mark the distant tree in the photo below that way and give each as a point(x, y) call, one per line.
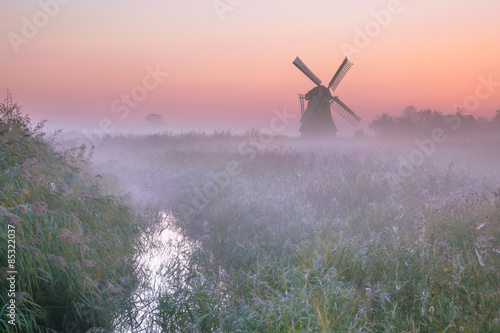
point(410, 114)
point(407, 120)
point(383, 124)
point(412, 121)
point(483, 121)
point(154, 119)
point(496, 119)
point(431, 117)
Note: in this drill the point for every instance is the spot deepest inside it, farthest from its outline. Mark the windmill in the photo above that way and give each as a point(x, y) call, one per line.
point(317, 118)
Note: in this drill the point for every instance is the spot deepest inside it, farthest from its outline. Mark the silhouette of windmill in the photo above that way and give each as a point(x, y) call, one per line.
point(317, 119)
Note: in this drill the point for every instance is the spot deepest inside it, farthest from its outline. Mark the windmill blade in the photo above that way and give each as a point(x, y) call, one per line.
point(338, 106)
point(341, 72)
point(303, 68)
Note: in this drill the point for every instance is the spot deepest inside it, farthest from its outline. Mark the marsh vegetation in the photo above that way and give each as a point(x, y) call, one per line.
point(234, 233)
point(318, 238)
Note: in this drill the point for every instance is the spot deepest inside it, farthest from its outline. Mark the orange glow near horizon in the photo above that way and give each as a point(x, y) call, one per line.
point(236, 70)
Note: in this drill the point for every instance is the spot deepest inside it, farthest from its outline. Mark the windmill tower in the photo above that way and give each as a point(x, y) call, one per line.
point(317, 118)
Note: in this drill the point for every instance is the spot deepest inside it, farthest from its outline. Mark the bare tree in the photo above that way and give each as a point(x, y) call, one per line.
point(154, 119)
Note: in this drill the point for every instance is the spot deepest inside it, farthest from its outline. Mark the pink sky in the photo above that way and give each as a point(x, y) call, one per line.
point(232, 73)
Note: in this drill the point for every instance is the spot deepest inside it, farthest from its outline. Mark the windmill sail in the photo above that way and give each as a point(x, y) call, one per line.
point(341, 72)
point(303, 68)
point(338, 106)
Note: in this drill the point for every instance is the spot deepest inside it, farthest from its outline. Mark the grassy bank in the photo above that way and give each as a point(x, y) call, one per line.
point(311, 239)
point(74, 243)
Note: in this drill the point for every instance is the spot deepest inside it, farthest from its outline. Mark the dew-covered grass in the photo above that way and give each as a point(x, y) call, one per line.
point(75, 242)
point(328, 238)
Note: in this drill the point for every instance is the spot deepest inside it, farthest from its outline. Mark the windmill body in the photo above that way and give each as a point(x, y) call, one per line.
point(317, 118)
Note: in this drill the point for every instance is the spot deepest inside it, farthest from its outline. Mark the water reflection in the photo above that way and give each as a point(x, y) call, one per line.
point(165, 247)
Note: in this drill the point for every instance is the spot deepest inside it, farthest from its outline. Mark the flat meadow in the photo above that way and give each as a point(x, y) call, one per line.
point(221, 232)
point(290, 236)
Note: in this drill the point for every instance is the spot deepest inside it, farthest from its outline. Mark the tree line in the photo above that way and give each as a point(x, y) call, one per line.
point(413, 121)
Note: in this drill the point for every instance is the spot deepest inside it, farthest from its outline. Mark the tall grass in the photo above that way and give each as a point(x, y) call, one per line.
point(75, 244)
point(331, 239)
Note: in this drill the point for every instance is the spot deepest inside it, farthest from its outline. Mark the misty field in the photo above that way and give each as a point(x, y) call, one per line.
point(247, 233)
point(286, 236)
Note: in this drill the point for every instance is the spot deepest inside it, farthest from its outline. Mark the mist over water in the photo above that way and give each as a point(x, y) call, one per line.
point(261, 232)
point(243, 199)
point(194, 177)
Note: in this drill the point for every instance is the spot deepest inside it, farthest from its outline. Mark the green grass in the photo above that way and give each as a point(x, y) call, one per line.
point(303, 238)
point(75, 243)
point(311, 239)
